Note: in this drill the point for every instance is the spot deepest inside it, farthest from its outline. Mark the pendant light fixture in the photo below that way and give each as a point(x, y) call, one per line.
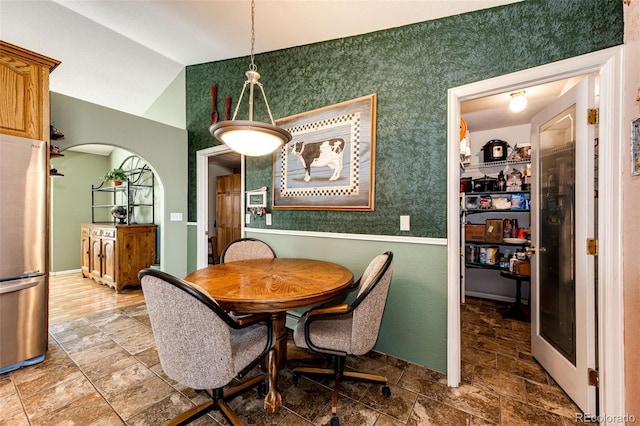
point(248, 137)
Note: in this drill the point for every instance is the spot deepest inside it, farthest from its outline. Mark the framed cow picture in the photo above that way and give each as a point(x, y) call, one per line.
point(330, 162)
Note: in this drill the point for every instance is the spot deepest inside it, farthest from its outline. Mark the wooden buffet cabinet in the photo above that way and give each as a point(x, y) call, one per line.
point(114, 254)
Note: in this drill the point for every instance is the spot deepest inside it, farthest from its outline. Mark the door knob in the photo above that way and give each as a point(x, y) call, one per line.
point(532, 250)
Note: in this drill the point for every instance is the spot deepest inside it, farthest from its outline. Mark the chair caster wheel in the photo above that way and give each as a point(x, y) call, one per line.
point(386, 391)
point(295, 378)
point(335, 421)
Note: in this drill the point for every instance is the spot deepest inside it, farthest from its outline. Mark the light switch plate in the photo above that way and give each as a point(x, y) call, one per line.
point(405, 223)
point(176, 217)
point(247, 218)
point(268, 219)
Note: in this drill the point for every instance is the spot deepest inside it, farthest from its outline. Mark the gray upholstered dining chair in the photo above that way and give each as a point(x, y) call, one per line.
point(343, 330)
point(246, 248)
point(200, 345)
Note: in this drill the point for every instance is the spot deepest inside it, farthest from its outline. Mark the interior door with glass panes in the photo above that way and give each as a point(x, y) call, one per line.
point(562, 213)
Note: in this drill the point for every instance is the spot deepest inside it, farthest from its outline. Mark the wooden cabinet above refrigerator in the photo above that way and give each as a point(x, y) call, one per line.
point(24, 84)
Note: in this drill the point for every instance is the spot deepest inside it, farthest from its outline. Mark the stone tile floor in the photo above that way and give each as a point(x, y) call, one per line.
point(102, 369)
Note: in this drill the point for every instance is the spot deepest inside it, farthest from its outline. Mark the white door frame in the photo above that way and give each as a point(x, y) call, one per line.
point(202, 193)
point(609, 64)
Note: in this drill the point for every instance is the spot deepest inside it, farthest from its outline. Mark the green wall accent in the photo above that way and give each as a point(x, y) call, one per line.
point(170, 107)
point(414, 325)
point(71, 205)
point(410, 68)
point(192, 248)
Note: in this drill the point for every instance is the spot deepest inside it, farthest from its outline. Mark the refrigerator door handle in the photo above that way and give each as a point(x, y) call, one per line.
point(4, 289)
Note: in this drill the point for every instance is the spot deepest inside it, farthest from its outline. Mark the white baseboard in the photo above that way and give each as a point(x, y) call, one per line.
point(493, 297)
point(70, 271)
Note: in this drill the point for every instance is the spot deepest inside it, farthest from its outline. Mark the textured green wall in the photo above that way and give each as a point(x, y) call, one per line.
point(410, 68)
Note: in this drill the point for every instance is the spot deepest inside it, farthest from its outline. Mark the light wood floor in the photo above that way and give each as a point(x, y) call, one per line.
point(72, 296)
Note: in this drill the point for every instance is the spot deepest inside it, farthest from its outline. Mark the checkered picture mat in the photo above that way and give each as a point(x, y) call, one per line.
point(291, 166)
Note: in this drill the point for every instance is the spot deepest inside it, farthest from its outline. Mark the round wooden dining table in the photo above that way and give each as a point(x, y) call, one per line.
point(273, 286)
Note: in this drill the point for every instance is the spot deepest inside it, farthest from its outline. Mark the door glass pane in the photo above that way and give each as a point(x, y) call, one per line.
point(556, 254)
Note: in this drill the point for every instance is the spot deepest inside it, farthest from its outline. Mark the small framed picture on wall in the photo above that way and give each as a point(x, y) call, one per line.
point(635, 147)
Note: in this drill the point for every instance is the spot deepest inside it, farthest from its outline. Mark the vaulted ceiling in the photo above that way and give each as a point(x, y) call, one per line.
point(123, 54)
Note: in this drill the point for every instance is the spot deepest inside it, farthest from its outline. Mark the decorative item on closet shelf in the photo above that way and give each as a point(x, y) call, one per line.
point(514, 181)
point(495, 150)
point(485, 184)
point(521, 151)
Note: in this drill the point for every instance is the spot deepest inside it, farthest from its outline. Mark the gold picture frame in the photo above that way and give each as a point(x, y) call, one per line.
point(330, 162)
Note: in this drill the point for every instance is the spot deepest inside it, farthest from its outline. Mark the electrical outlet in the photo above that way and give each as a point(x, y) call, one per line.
point(405, 223)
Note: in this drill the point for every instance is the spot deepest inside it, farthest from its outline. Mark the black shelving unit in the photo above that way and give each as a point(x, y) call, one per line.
point(134, 194)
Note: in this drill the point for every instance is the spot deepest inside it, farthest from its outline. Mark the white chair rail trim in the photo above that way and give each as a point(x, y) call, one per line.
point(345, 236)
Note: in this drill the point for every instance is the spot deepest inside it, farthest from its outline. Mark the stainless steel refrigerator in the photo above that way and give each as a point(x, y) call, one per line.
point(23, 297)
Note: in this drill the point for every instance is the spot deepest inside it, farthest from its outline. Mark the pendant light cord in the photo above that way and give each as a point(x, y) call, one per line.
point(253, 76)
point(253, 66)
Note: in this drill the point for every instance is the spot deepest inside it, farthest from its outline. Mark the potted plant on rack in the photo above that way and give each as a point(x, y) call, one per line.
point(117, 176)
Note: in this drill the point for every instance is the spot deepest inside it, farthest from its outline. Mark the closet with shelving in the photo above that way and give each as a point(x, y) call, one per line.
point(494, 211)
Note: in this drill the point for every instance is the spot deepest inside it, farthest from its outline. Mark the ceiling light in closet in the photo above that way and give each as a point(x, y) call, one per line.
point(518, 101)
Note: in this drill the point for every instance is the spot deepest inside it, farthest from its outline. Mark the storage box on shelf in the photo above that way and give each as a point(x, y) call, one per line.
point(493, 231)
point(522, 267)
point(474, 233)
